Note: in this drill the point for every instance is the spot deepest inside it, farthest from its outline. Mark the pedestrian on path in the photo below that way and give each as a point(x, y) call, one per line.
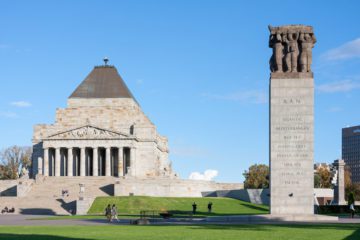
point(352, 210)
point(108, 212)
point(114, 213)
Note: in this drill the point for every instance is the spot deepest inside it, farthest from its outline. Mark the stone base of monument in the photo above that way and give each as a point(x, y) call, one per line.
point(269, 218)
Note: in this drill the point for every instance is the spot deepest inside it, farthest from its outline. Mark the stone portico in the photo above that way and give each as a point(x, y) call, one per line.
point(102, 132)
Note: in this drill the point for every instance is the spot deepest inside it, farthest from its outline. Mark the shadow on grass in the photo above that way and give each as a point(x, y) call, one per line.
point(355, 235)
point(270, 227)
point(178, 213)
point(255, 207)
point(8, 236)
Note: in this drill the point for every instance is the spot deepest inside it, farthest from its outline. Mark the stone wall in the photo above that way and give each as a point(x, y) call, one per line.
point(15, 188)
point(8, 187)
point(83, 205)
point(169, 187)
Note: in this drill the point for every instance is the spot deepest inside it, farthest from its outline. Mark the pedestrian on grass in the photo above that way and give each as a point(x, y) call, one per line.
point(194, 206)
point(210, 207)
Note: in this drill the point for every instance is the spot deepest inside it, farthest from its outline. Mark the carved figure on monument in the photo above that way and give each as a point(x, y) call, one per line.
point(307, 41)
point(278, 52)
point(292, 51)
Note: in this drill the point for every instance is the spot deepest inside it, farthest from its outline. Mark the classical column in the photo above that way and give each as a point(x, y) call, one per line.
point(95, 161)
point(132, 161)
point(120, 161)
point(57, 162)
point(64, 158)
point(70, 159)
point(82, 162)
point(40, 168)
point(46, 162)
point(108, 162)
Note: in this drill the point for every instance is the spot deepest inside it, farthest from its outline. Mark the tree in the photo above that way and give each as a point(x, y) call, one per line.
point(257, 176)
point(351, 198)
point(322, 178)
point(350, 187)
point(347, 177)
point(13, 160)
point(317, 180)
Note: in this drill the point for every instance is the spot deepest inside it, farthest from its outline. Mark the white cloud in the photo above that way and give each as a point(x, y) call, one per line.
point(339, 86)
point(346, 51)
point(247, 96)
point(8, 114)
point(208, 175)
point(21, 104)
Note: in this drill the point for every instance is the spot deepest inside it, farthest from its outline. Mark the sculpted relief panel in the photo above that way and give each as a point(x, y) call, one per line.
point(87, 132)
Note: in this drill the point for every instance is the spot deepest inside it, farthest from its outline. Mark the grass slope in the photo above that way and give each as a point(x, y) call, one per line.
point(195, 232)
point(133, 205)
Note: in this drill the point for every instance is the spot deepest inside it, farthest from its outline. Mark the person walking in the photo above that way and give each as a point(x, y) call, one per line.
point(210, 207)
point(194, 206)
point(108, 212)
point(114, 213)
point(352, 210)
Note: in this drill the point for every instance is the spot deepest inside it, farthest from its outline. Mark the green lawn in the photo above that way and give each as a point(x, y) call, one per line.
point(133, 205)
point(198, 232)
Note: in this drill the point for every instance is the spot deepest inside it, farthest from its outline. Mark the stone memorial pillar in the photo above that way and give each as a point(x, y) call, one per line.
point(291, 121)
point(339, 191)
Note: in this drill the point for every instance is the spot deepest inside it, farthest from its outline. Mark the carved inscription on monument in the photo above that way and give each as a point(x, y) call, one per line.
point(291, 120)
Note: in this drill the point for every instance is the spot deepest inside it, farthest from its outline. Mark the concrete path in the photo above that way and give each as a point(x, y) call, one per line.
point(36, 220)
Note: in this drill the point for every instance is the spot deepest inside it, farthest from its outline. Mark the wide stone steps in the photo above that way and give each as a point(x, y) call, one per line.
point(45, 197)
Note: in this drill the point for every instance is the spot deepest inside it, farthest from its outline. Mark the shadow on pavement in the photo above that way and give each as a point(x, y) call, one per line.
point(37, 211)
point(70, 207)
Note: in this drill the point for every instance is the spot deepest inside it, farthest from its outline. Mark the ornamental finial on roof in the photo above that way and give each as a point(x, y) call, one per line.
point(106, 59)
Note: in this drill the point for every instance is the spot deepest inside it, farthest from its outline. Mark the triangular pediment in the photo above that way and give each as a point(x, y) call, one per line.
point(88, 132)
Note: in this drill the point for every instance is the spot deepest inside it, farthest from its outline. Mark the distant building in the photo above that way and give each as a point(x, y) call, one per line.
point(351, 151)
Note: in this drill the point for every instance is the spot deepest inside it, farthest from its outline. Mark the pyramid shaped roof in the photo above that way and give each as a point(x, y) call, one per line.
point(102, 82)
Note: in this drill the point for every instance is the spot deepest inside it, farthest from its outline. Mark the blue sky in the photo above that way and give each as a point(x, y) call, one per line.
point(199, 69)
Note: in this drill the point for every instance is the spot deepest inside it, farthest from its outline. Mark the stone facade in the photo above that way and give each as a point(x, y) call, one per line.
point(291, 121)
point(101, 133)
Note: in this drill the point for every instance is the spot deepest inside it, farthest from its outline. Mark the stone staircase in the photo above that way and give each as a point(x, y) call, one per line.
point(45, 197)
